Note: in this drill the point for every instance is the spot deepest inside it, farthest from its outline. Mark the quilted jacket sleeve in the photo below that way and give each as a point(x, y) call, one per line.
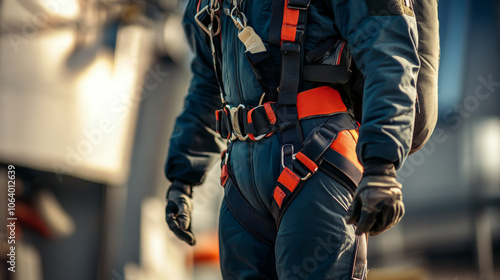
point(382, 35)
point(194, 144)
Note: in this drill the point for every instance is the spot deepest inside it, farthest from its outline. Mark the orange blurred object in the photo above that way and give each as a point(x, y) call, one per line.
point(206, 250)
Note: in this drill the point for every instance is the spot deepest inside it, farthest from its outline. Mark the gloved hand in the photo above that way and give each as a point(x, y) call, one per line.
point(178, 211)
point(378, 202)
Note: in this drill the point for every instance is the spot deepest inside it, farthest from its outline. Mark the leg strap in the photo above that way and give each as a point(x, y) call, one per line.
point(332, 140)
point(261, 227)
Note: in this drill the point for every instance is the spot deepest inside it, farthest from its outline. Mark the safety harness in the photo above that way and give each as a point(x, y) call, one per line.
point(282, 105)
point(329, 147)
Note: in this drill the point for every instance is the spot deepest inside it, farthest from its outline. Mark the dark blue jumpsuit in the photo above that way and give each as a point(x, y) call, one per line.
point(313, 241)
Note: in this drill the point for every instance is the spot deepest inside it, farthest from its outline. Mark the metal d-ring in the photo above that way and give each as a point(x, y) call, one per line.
point(198, 21)
point(234, 113)
point(218, 27)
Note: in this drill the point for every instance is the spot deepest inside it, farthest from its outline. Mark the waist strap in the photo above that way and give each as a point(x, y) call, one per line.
point(244, 123)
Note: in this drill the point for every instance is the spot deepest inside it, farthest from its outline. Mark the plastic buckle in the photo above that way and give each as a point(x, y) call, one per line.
point(299, 4)
point(253, 137)
point(234, 113)
point(290, 47)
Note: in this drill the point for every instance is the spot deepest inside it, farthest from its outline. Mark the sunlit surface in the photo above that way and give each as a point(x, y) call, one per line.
point(38, 14)
point(67, 9)
point(71, 122)
point(488, 149)
point(163, 255)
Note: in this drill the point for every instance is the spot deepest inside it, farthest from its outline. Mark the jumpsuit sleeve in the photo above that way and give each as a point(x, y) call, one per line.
point(194, 145)
point(382, 36)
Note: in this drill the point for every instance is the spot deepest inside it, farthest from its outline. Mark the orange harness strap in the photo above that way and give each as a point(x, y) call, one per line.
point(340, 135)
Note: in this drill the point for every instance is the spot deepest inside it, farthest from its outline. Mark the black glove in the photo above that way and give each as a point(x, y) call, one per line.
point(178, 211)
point(378, 202)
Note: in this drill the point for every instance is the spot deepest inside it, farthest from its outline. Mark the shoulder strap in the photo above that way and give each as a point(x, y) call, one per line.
point(292, 33)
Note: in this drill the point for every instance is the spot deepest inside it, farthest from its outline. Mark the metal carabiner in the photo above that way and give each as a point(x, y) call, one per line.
point(203, 14)
point(214, 8)
point(199, 21)
point(239, 18)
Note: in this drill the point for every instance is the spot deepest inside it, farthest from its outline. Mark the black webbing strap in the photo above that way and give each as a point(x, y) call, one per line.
point(266, 72)
point(275, 36)
point(333, 159)
point(332, 74)
point(320, 50)
point(299, 4)
point(292, 56)
point(320, 139)
point(223, 124)
point(276, 22)
point(263, 121)
point(261, 227)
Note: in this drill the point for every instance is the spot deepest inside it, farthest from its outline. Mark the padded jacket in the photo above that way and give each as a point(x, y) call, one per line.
point(382, 37)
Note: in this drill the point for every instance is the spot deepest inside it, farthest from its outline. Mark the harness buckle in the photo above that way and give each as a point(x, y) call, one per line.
point(308, 175)
point(286, 150)
point(234, 113)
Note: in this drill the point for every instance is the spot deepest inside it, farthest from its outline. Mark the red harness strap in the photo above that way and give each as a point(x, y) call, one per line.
point(345, 144)
point(319, 101)
point(313, 103)
point(289, 26)
point(287, 179)
point(271, 118)
point(307, 162)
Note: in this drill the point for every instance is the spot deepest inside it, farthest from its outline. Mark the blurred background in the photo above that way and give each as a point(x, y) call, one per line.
point(89, 91)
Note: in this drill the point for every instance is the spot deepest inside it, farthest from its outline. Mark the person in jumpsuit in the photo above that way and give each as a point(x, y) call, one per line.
point(316, 237)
